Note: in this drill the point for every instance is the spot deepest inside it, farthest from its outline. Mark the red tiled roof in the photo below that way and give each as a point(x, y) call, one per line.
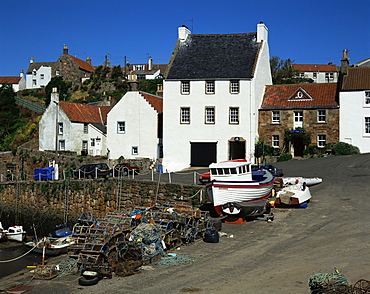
point(155, 101)
point(313, 95)
point(77, 112)
point(83, 64)
point(357, 78)
point(315, 67)
point(10, 80)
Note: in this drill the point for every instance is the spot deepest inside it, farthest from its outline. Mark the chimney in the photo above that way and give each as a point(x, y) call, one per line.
point(32, 60)
point(344, 62)
point(150, 63)
point(21, 74)
point(262, 32)
point(183, 33)
point(65, 49)
point(54, 95)
point(88, 60)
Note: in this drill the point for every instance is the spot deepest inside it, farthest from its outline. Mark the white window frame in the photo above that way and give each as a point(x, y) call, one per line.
point(185, 115)
point(210, 115)
point(185, 87)
point(321, 141)
point(234, 115)
point(210, 87)
point(275, 116)
point(314, 75)
point(135, 150)
point(92, 142)
point(321, 116)
point(367, 126)
point(62, 145)
point(85, 144)
point(367, 99)
point(329, 76)
point(234, 86)
point(275, 141)
point(298, 119)
point(60, 128)
point(121, 127)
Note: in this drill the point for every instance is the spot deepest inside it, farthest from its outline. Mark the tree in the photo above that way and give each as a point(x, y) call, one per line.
point(9, 112)
point(56, 82)
point(283, 73)
point(149, 86)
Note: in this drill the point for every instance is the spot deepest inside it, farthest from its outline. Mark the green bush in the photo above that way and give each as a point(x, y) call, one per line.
point(284, 157)
point(342, 148)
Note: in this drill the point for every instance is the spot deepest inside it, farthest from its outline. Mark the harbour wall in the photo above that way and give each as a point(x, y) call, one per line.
point(44, 204)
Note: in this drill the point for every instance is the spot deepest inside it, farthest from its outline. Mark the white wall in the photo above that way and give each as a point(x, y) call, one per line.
point(351, 119)
point(141, 128)
point(46, 71)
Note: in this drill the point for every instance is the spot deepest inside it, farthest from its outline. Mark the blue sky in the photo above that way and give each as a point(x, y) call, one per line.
point(308, 32)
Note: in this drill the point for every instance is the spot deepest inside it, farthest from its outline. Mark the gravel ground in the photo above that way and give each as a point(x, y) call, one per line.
point(262, 257)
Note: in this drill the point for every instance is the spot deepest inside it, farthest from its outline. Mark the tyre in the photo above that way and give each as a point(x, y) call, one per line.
point(88, 275)
point(88, 282)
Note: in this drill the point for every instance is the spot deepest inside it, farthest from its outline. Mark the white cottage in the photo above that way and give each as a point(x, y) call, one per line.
point(213, 87)
point(354, 101)
point(38, 74)
point(135, 126)
point(80, 128)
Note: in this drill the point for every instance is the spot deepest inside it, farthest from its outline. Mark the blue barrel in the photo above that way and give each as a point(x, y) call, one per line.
point(160, 168)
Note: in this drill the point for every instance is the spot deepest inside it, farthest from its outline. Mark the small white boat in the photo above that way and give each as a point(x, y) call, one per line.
point(52, 246)
point(16, 233)
point(293, 195)
point(301, 180)
point(235, 181)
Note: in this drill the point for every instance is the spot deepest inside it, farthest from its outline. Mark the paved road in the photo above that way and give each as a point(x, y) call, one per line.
point(278, 257)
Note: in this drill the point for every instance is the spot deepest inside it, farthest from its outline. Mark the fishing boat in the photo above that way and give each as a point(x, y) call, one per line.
point(51, 246)
point(296, 180)
point(16, 233)
point(296, 195)
point(234, 182)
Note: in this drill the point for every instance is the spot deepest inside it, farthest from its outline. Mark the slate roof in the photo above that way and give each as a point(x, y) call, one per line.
point(313, 96)
point(357, 78)
point(315, 67)
point(155, 101)
point(10, 80)
point(37, 65)
point(220, 56)
point(83, 113)
point(83, 64)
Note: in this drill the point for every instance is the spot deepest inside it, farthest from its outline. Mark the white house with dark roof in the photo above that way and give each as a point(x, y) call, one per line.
point(135, 126)
point(213, 87)
point(38, 74)
point(354, 100)
point(80, 128)
point(318, 73)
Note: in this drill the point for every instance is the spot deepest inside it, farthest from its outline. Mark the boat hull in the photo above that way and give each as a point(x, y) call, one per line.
point(18, 237)
point(293, 195)
point(301, 180)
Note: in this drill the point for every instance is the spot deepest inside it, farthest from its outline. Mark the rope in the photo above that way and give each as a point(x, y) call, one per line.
point(66, 266)
point(10, 260)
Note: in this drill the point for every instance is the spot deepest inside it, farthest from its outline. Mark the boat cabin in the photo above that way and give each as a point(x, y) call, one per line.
point(247, 171)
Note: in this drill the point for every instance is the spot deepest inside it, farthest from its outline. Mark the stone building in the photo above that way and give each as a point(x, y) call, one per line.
point(72, 68)
point(307, 109)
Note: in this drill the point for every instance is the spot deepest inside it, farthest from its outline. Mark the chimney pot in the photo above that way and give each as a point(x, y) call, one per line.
point(65, 49)
point(183, 32)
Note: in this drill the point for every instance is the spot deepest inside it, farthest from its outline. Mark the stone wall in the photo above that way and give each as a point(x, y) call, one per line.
point(46, 203)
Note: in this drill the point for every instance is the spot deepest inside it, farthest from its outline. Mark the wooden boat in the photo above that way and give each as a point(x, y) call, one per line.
point(235, 181)
point(293, 195)
point(296, 180)
point(52, 246)
point(16, 233)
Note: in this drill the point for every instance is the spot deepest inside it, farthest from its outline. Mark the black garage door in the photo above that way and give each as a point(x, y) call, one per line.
point(203, 154)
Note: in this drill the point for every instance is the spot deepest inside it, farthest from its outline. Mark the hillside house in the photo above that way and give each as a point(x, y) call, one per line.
point(146, 71)
point(38, 74)
point(313, 107)
point(317, 73)
point(212, 90)
point(72, 68)
point(354, 99)
point(17, 83)
point(135, 126)
point(74, 127)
